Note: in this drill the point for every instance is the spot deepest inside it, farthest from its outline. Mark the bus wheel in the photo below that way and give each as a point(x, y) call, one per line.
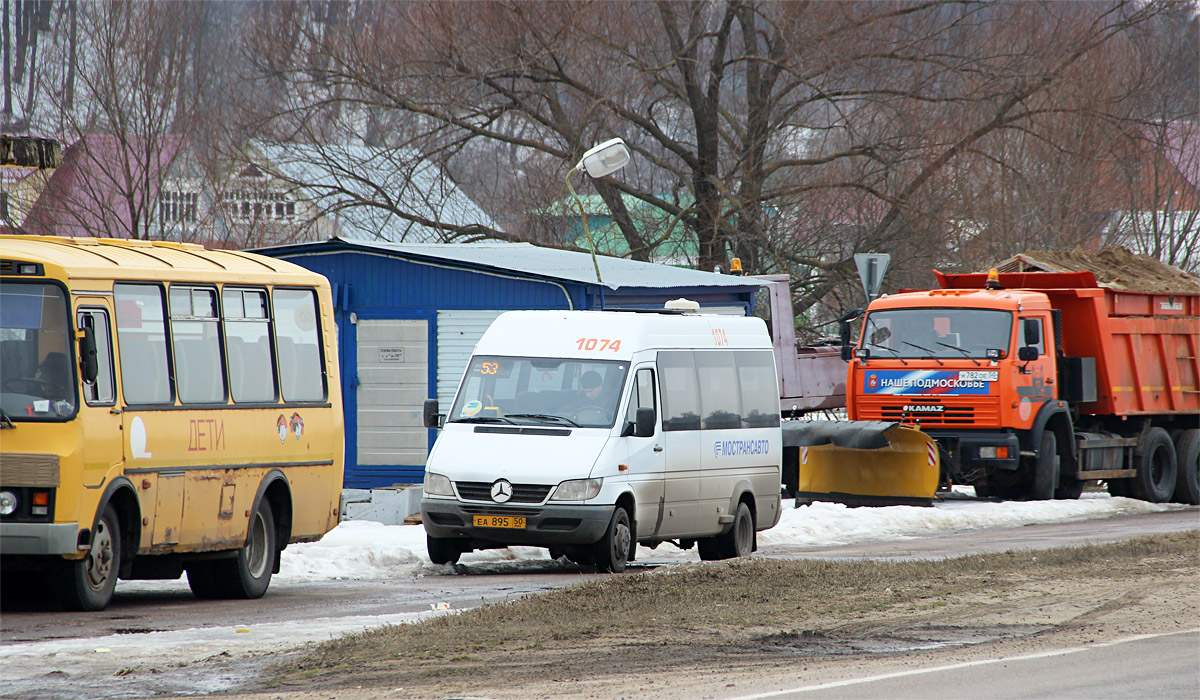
point(252, 568)
point(1045, 468)
point(1155, 478)
point(612, 549)
point(442, 550)
point(739, 541)
point(1187, 478)
point(207, 579)
point(87, 584)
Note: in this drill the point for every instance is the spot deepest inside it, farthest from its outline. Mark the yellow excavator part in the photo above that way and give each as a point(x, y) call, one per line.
point(861, 463)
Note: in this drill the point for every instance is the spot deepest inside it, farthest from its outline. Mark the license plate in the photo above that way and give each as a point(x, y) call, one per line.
point(513, 521)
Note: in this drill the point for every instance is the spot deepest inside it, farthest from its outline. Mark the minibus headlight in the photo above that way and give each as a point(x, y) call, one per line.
point(577, 490)
point(8, 502)
point(437, 485)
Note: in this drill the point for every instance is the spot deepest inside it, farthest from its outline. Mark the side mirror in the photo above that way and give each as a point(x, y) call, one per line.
point(1033, 331)
point(429, 414)
point(1027, 353)
point(89, 364)
point(644, 424)
point(847, 353)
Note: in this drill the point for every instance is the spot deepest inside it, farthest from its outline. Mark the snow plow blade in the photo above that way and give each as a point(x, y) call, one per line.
point(860, 463)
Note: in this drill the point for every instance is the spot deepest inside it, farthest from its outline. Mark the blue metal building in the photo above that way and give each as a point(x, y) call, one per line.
point(409, 315)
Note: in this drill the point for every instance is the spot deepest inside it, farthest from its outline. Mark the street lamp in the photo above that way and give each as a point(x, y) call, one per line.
point(599, 161)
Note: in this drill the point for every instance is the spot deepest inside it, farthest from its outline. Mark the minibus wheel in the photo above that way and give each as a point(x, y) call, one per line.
point(739, 541)
point(88, 584)
point(442, 550)
point(612, 550)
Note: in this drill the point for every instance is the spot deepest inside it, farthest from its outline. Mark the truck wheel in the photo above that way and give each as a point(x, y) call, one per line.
point(1155, 478)
point(612, 549)
point(442, 550)
point(1069, 490)
point(88, 584)
point(249, 574)
point(1187, 476)
point(739, 541)
point(1045, 468)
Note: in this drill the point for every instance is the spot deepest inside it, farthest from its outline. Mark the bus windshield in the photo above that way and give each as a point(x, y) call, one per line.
point(540, 390)
point(936, 333)
point(37, 379)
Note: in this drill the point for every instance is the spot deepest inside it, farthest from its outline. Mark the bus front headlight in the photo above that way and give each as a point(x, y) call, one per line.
point(437, 485)
point(8, 502)
point(577, 490)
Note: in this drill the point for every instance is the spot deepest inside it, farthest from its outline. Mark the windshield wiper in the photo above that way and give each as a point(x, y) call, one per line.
point(891, 350)
point(545, 417)
point(932, 353)
point(482, 419)
point(5, 421)
point(955, 347)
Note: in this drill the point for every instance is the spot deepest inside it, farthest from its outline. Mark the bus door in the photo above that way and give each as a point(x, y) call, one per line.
point(98, 415)
point(144, 380)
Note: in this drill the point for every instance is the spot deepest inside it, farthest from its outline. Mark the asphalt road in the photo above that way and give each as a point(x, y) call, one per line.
point(1163, 666)
point(135, 611)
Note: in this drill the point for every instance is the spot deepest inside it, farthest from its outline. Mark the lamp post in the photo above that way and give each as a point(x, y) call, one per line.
point(599, 161)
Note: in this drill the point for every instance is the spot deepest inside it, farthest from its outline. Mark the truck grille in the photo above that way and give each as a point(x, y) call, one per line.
point(482, 491)
point(957, 411)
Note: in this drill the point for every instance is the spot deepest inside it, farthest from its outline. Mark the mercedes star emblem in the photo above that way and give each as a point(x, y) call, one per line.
point(501, 491)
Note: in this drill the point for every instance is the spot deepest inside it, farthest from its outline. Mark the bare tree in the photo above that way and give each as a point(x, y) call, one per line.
point(131, 102)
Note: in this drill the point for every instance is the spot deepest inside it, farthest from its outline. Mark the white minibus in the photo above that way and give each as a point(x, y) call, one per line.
point(588, 432)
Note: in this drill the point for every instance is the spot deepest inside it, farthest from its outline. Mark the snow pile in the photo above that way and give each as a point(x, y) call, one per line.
point(361, 549)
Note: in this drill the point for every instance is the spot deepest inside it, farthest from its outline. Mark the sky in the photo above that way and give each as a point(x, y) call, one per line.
point(363, 550)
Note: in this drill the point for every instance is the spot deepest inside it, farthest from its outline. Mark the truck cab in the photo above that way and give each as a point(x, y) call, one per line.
point(974, 368)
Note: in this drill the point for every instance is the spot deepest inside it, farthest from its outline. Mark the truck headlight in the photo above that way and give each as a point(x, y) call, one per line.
point(993, 453)
point(8, 502)
point(437, 485)
point(577, 490)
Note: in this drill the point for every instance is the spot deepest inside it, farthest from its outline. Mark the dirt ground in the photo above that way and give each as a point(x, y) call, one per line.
point(756, 625)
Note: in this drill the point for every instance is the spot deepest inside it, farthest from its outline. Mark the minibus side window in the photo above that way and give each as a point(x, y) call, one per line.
point(759, 388)
point(198, 374)
point(142, 344)
point(300, 368)
point(720, 400)
point(248, 345)
point(680, 391)
point(102, 391)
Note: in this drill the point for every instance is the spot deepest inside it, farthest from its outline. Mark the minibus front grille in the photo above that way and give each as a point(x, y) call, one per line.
point(521, 493)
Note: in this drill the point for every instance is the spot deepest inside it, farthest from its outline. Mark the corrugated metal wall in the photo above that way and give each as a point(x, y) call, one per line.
point(454, 306)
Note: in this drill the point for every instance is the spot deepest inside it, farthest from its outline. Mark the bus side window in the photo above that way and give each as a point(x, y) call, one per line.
point(248, 337)
point(198, 373)
point(142, 343)
point(102, 391)
point(299, 343)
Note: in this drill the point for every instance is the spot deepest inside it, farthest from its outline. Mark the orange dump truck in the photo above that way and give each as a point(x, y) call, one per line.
point(1032, 383)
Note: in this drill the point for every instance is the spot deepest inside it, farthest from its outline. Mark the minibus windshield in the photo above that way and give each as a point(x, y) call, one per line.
point(37, 379)
point(540, 391)
point(936, 333)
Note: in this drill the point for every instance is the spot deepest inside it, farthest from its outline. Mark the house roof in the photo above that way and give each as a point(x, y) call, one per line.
point(344, 179)
point(87, 195)
point(536, 261)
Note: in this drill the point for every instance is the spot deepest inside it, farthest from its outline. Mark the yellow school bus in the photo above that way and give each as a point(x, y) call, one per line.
point(166, 409)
